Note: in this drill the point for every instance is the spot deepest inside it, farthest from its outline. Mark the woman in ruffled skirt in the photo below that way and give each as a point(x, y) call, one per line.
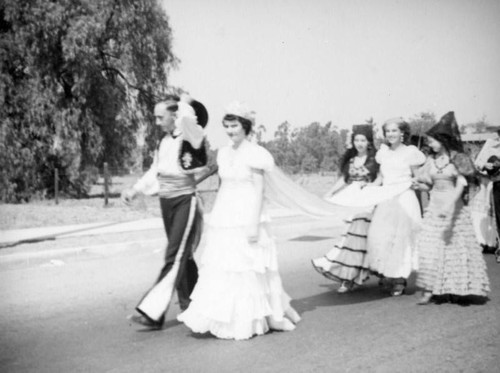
point(391, 236)
point(239, 293)
point(345, 262)
point(450, 258)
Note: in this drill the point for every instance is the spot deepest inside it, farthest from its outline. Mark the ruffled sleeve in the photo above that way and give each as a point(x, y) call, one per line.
point(259, 158)
point(415, 156)
point(464, 164)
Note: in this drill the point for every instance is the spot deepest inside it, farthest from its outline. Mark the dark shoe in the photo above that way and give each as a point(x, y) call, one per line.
point(144, 321)
point(399, 287)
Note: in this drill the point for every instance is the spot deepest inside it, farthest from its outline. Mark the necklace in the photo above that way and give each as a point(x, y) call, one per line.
point(444, 159)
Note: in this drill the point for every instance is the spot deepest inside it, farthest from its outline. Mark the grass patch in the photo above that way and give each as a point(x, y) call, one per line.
point(92, 210)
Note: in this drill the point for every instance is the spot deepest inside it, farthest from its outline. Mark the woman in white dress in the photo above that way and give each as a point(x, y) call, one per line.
point(391, 236)
point(239, 292)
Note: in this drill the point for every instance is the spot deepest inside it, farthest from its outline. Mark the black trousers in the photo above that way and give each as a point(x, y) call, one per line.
point(180, 216)
point(175, 214)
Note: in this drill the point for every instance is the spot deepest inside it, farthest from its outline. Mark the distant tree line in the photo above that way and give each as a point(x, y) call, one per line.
point(319, 148)
point(309, 149)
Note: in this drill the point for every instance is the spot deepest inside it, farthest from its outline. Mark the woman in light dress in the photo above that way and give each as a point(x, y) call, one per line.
point(345, 262)
point(450, 258)
point(239, 293)
point(391, 235)
point(483, 211)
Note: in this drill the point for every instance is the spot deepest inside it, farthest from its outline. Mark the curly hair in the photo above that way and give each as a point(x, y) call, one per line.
point(403, 127)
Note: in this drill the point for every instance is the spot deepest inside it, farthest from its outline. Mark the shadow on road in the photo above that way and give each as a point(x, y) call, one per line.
point(333, 299)
point(369, 292)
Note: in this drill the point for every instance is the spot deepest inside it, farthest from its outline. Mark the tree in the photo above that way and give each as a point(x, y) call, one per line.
point(309, 149)
point(280, 146)
point(419, 125)
point(78, 82)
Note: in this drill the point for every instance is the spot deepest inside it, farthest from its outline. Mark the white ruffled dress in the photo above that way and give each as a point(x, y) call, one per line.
point(239, 285)
point(395, 222)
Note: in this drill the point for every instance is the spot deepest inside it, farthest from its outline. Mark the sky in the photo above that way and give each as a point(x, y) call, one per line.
point(343, 61)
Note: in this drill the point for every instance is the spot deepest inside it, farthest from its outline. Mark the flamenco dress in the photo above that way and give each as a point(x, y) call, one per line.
point(450, 258)
point(346, 261)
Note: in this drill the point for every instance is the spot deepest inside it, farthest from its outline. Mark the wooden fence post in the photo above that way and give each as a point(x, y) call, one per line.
point(56, 185)
point(106, 183)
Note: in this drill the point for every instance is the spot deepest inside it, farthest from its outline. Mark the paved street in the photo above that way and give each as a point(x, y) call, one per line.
point(65, 305)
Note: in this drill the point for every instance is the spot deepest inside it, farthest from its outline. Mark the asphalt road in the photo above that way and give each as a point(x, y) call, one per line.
point(64, 308)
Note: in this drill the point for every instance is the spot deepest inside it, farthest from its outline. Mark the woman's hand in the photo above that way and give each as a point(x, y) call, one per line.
point(415, 185)
point(253, 233)
point(363, 184)
point(418, 185)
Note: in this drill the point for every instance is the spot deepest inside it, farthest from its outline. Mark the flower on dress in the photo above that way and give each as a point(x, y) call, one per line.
point(187, 159)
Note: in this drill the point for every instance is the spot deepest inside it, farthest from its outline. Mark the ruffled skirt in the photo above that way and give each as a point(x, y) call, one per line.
point(391, 236)
point(481, 210)
point(239, 287)
point(450, 258)
point(347, 260)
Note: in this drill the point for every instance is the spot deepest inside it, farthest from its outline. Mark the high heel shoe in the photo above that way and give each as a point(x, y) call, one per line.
point(425, 298)
point(345, 287)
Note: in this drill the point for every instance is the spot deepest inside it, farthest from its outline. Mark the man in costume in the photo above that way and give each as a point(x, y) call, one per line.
point(181, 155)
point(488, 163)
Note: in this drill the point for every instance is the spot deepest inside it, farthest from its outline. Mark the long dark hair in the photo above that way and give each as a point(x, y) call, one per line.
point(371, 165)
point(459, 159)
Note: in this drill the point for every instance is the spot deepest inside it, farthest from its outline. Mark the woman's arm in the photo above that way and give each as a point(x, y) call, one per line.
point(339, 184)
point(253, 228)
point(419, 185)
